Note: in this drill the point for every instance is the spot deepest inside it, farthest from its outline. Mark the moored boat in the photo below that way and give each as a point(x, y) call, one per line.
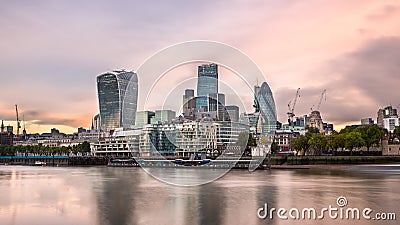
point(115, 162)
point(39, 163)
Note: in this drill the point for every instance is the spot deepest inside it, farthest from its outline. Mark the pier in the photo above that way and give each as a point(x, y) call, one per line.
point(54, 160)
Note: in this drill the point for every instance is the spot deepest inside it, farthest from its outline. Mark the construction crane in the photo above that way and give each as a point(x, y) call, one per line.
point(320, 101)
point(18, 121)
point(291, 108)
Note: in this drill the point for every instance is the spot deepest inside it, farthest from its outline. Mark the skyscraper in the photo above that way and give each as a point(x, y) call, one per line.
point(216, 103)
point(256, 105)
point(233, 112)
point(207, 83)
point(267, 109)
point(112, 88)
point(96, 122)
point(188, 100)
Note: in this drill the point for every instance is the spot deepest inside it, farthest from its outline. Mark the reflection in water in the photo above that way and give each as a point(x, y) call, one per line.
point(101, 195)
point(114, 194)
point(211, 204)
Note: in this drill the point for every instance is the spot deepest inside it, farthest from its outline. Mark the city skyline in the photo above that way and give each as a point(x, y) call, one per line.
point(50, 59)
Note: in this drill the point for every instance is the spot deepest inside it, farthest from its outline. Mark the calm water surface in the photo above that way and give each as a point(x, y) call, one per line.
point(101, 195)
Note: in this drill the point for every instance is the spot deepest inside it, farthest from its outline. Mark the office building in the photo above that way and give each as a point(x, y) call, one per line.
point(367, 121)
point(256, 105)
point(157, 139)
point(162, 116)
point(251, 119)
point(119, 144)
point(9, 129)
point(96, 122)
point(6, 138)
point(316, 121)
point(188, 102)
point(328, 128)
point(117, 94)
point(216, 103)
point(233, 113)
point(81, 130)
point(302, 121)
point(228, 133)
point(283, 139)
point(207, 83)
point(387, 112)
point(143, 118)
point(391, 123)
point(195, 137)
point(267, 109)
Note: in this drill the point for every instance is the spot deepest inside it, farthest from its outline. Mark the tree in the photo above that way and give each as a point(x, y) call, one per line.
point(312, 130)
point(347, 130)
point(372, 135)
point(397, 131)
point(274, 147)
point(336, 141)
point(300, 144)
point(86, 146)
point(318, 142)
point(250, 143)
point(353, 139)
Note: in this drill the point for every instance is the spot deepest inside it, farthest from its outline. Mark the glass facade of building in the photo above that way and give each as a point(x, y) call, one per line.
point(207, 83)
point(143, 118)
point(162, 116)
point(112, 88)
point(267, 109)
point(216, 103)
point(233, 113)
point(188, 100)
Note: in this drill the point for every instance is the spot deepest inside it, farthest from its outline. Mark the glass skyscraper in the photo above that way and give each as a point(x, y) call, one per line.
point(113, 100)
point(207, 83)
point(188, 100)
point(267, 108)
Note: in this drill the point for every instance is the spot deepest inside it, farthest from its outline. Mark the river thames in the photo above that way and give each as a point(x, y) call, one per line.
point(101, 195)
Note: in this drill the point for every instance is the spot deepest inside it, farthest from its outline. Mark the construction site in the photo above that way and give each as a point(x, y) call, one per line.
point(297, 126)
point(7, 136)
point(312, 120)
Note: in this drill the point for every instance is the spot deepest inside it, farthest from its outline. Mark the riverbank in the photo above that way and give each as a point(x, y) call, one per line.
point(54, 160)
point(314, 167)
point(278, 162)
point(336, 160)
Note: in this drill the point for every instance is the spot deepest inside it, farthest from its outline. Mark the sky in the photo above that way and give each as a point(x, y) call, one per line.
point(52, 51)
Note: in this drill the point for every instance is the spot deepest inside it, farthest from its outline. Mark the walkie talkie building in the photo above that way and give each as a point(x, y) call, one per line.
point(111, 88)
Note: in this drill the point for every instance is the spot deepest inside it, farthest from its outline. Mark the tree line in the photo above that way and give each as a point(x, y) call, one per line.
point(315, 143)
point(41, 150)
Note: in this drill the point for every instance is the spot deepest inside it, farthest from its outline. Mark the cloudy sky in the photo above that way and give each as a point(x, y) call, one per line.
point(52, 51)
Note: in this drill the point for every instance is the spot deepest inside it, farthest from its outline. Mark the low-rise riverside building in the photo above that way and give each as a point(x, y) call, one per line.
point(120, 144)
point(157, 139)
point(196, 137)
point(169, 139)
